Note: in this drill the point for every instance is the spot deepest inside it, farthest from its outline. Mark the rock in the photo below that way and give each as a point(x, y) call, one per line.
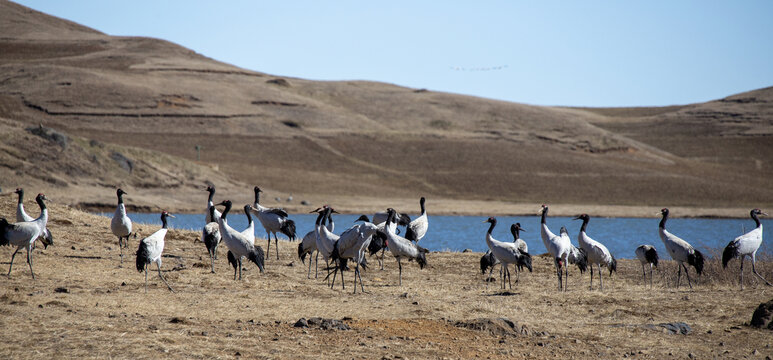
point(467, 250)
point(763, 316)
point(50, 135)
point(304, 202)
point(62, 290)
point(676, 328)
point(301, 323)
point(122, 161)
point(324, 324)
point(494, 326)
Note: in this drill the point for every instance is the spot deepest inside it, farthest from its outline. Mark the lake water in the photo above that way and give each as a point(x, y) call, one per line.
point(620, 235)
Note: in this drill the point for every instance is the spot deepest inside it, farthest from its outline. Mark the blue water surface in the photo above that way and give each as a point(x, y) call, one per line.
point(456, 233)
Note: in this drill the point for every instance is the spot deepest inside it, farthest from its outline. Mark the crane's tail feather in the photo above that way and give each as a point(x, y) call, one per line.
point(47, 238)
point(232, 259)
point(3, 229)
point(652, 256)
point(487, 261)
point(143, 256)
point(404, 220)
point(258, 257)
point(612, 265)
point(696, 259)
point(525, 260)
point(730, 253)
point(376, 244)
point(301, 253)
point(288, 228)
point(579, 257)
point(422, 257)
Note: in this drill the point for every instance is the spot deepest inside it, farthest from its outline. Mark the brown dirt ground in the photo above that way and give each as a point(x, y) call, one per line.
point(105, 313)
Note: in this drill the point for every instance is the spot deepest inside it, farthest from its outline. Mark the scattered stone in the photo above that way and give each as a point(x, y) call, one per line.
point(304, 202)
point(404, 295)
point(50, 135)
point(415, 303)
point(763, 316)
point(123, 283)
point(494, 326)
point(62, 290)
point(291, 264)
point(302, 323)
point(324, 324)
point(467, 250)
point(122, 161)
point(676, 328)
point(178, 320)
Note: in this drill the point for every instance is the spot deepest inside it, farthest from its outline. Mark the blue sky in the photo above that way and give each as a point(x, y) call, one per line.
point(578, 53)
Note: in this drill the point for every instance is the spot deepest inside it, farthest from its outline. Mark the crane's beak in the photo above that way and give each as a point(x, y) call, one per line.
point(577, 218)
point(765, 214)
point(171, 216)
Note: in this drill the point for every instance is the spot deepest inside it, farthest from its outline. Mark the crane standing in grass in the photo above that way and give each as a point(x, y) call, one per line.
point(23, 234)
point(680, 250)
point(647, 255)
point(150, 250)
point(417, 228)
point(238, 245)
point(506, 253)
point(46, 238)
point(597, 252)
point(401, 247)
point(273, 220)
point(121, 225)
point(746, 245)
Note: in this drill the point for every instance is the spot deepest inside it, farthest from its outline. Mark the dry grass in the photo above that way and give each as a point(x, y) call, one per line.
point(105, 312)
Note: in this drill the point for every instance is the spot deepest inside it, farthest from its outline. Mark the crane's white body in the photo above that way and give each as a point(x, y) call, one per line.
point(308, 245)
point(679, 250)
point(23, 234)
point(642, 252)
point(417, 228)
point(273, 220)
point(352, 245)
point(746, 245)
point(597, 253)
point(505, 253)
point(150, 250)
point(558, 246)
point(22, 216)
point(238, 243)
point(402, 248)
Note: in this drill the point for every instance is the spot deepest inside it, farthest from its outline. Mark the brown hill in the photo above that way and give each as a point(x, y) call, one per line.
point(356, 142)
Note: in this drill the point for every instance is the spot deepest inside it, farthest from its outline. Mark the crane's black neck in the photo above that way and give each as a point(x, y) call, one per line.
point(663, 220)
point(212, 213)
point(21, 195)
point(226, 210)
point(247, 212)
point(493, 224)
point(39, 200)
point(421, 203)
point(211, 191)
point(163, 220)
point(585, 220)
point(257, 195)
point(330, 219)
point(120, 198)
point(754, 216)
point(516, 232)
point(322, 214)
point(544, 214)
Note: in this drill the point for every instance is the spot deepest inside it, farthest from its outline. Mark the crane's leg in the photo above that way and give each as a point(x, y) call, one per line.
point(644, 273)
point(146, 278)
point(688, 275)
point(356, 269)
point(678, 274)
point(212, 261)
point(566, 268)
point(754, 260)
point(382, 257)
point(29, 260)
point(742, 258)
point(491, 271)
point(120, 246)
point(509, 278)
point(12, 256)
point(400, 266)
point(162, 277)
point(316, 264)
point(308, 274)
point(591, 277)
point(240, 267)
point(268, 245)
point(360, 276)
point(645, 277)
point(276, 245)
point(215, 251)
point(517, 274)
point(558, 273)
point(601, 278)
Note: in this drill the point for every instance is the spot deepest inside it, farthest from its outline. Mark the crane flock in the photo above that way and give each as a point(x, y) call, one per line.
point(382, 234)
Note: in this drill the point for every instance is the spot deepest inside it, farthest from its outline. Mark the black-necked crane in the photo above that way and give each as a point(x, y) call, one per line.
point(506, 253)
point(378, 243)
point(308, 246)
point(681, 251)
point(249, 232)
point(211, 237)
point(401, 247)
point(746, 245)
point(400, 219)
point(23, 234)
point(326, 239)
point(417, 228)
point(208, 217)
point(351, 245)
point(121, 225)
point(273, 220)
point(239, 246)
point(150, 251)
point(647, 255)
point(597, 253)
point(46, 238)
point(561, 250)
